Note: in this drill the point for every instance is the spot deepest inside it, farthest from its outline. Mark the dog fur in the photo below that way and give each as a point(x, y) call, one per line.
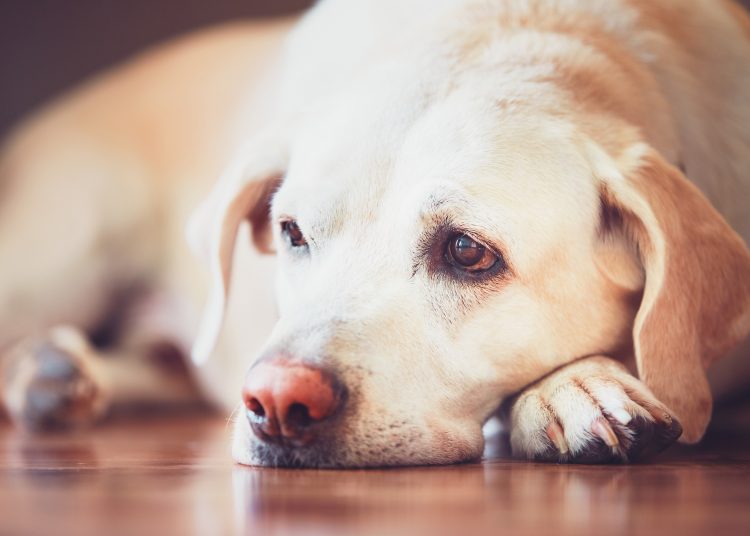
point(601, 148)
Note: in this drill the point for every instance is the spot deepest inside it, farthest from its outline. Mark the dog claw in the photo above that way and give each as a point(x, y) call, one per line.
point(622, 416)
point(601, 428)
point(557, 436)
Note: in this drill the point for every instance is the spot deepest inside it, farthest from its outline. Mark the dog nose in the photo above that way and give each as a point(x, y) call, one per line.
point(285, 400)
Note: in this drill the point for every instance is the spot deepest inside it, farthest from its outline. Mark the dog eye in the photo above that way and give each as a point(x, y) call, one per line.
point(293, 233)
point(463, 252)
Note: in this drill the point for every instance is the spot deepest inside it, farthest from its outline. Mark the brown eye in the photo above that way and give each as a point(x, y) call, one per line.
point(466, 253)
point(293, 232)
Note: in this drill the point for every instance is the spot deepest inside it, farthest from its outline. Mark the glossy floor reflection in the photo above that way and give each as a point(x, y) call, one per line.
point(174, 476)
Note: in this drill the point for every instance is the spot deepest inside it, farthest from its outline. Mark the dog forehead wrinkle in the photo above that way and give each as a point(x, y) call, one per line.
point(327, 155)
point(375, 108)
point(416, 139)
point(326, 205)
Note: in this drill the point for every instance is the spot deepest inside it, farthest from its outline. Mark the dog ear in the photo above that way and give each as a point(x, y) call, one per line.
point(242, 194)
point(696, 298)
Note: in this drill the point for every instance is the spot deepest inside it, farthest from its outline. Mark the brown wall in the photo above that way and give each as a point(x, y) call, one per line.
point(47, 46)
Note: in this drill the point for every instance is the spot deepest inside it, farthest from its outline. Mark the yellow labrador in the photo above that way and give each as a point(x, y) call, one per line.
point(536, 207)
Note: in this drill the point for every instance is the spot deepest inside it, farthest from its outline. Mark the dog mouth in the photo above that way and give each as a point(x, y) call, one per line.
point(322, 457)
point(289, 456)
point(369, 445)
point(300, 415)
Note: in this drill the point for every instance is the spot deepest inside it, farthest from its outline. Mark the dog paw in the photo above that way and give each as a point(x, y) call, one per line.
point(50, 383)
point(590, 415)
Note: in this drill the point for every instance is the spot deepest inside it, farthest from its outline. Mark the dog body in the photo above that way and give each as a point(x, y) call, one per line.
point(551, 137)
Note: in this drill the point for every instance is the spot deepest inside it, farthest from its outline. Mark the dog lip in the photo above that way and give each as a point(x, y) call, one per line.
point(283, 453)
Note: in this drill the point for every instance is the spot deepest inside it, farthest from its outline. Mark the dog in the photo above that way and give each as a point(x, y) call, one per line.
point(535, 209)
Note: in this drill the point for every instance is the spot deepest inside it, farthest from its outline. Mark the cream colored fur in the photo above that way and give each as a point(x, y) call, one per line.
point(552, 130)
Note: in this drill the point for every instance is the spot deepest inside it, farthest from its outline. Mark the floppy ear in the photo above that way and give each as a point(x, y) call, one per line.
point(242, 194)
point(696, 300)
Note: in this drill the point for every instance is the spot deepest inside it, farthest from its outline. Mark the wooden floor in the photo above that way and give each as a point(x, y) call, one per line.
point(175, 477)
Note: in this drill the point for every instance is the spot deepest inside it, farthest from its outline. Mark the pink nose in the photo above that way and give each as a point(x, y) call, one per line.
point(285, 400)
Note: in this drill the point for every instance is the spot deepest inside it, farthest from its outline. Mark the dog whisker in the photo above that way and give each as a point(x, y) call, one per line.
point(231, 419)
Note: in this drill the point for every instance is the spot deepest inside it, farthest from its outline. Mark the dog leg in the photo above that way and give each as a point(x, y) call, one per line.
point(54, 381)
point(590, 411)
point(60, 381)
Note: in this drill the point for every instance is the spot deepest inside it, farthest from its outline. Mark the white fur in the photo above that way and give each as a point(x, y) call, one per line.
point(386, 117)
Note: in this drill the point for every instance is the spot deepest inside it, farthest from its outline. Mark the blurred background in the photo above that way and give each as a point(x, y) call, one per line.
point(48, 46)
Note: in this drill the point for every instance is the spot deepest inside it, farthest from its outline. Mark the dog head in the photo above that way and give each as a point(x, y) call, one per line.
point(440, 246)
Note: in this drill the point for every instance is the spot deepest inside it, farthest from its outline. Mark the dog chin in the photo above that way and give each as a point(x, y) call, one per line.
point(247, 450)
point(262, 455)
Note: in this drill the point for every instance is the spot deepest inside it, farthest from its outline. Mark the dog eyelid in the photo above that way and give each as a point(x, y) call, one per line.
point(471, 255)
point(291, 230)
point(437, 249)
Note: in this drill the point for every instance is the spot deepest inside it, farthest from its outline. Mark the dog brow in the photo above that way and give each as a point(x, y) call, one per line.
point(442, 200)
point(448, 206)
